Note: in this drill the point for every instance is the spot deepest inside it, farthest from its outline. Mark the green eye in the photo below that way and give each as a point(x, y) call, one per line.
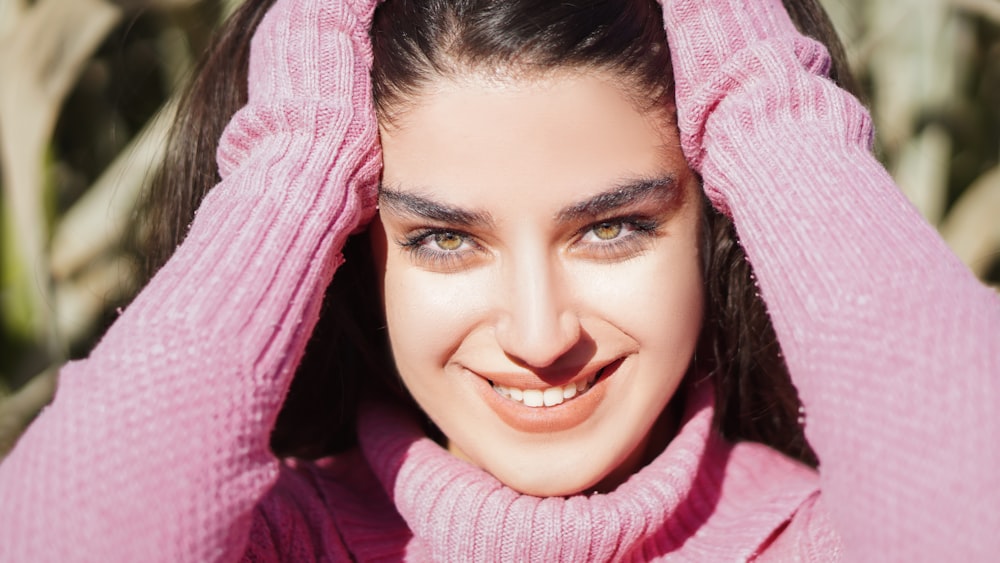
point(448, 241)
point(607, 231)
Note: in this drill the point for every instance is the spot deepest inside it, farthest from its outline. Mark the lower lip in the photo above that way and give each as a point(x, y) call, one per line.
point(547, 419)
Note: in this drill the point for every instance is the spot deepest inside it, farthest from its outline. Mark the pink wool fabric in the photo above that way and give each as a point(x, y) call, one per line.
point(156, 447)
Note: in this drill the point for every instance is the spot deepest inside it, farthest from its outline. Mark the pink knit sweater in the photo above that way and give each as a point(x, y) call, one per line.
point(156, 447)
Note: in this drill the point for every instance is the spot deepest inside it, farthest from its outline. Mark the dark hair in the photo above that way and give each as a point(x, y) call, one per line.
point(414, 41)
point(417, 41)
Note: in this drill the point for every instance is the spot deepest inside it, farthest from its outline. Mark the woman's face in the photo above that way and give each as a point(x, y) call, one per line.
point(541, 280)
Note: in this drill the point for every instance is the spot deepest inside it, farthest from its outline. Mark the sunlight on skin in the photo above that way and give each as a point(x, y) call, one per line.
point(540, 234)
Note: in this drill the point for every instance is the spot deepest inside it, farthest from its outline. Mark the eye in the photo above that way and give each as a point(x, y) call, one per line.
point(447, 241)
point(441, 249)
point(607, 231)
point(617, 239)
point(610, 232)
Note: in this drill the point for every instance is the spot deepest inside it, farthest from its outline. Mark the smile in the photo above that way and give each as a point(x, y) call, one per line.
point(551, 409)
point(549, 397)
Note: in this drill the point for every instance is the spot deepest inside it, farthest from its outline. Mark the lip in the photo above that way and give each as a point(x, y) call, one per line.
point(544, 381)
point(546, 419)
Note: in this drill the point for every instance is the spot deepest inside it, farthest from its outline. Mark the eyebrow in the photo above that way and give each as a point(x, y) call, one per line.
point(420, 206)
point(621, 195)
point(627, 193)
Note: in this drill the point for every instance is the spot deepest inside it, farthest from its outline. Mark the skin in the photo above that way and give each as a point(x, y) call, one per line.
point(505, 254)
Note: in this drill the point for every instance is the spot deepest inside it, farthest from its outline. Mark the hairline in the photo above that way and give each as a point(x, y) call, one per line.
point(480, 73)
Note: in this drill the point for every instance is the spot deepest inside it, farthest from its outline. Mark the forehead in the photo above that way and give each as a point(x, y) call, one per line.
point(563, 136)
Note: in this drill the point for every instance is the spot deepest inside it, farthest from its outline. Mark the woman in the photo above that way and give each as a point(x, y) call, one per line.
point(539, 227)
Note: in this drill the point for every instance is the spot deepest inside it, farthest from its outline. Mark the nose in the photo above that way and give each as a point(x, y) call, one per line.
point(538, 324)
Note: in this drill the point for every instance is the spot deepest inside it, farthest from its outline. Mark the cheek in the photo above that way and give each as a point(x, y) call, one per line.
point(428, 315)
point(658, 298)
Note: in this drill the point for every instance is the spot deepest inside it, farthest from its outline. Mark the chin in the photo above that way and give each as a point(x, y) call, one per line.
point(548, 485)
point(559, 470)
point(565, 475)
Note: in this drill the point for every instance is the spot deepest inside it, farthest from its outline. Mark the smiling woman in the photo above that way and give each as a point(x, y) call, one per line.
point(540, 235)
point(544, 340)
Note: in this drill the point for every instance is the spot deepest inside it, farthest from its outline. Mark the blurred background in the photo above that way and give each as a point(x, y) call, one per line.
point(87, 89)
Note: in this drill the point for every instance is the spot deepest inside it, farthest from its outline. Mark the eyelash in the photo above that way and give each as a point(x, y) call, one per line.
point(635, 232)
point(628, 243)
point(418, 245)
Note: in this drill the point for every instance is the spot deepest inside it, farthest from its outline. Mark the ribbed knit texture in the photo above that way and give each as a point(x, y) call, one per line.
point(156, 445)
point(679, 505)
point(701, 500)
point(893, 346)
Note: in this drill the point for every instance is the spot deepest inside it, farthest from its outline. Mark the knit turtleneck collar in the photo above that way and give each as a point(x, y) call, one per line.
point(701, 497)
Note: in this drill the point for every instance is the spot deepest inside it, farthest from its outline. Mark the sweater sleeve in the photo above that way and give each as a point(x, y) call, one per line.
point(890, 340)
point(156, 446)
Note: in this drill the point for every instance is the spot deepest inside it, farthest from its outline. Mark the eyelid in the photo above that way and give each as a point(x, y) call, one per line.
point(626, 246)
point(640, 221)
point(419, 250)
point(417, 236)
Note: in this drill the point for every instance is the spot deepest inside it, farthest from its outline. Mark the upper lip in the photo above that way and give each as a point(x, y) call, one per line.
point(544, 379)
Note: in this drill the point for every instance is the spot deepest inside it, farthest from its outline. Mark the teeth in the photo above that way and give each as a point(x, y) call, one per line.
point(533, 398)
point(545, 397)
point(552, 396)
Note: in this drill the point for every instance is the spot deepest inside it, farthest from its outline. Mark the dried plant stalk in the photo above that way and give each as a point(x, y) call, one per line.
point(41, 57)
point(917, 69)
point(19, 409)
point(81, 300)
point(972, 228)
point(99, 220)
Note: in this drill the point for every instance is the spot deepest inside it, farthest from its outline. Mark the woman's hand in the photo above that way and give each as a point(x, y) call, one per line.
point(723, 48)
point(309, 80)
